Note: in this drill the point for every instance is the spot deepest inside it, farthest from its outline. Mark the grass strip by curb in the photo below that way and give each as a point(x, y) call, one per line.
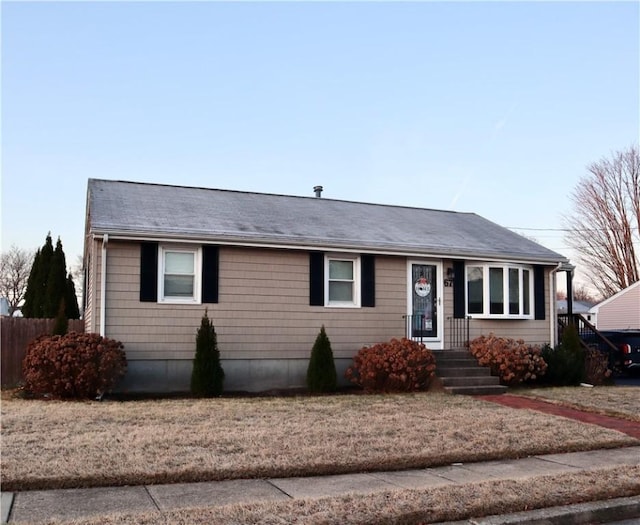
point(405, 507)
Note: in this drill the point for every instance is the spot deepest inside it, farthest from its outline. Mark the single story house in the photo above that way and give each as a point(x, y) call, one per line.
point(621, 311)
point(579, 307)
point(272, 269)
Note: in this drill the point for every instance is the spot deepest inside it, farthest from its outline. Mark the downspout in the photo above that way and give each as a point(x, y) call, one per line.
point(553, 314)
point(103, 284)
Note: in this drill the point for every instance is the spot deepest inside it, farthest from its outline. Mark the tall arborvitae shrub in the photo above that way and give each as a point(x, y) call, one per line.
point(71, 300)
point(35, 298)
point(48, 284)
point(207, 377)
point(33, 292)
point(321, 372)
point(56, 282)
point(61, 324)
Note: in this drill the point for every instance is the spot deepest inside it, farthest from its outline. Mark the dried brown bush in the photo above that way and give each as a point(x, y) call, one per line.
point(596, 367)
point(511, 360)
point(74, 365)
point(401, 365)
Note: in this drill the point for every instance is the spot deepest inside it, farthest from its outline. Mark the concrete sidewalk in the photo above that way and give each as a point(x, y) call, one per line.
point(35, 506)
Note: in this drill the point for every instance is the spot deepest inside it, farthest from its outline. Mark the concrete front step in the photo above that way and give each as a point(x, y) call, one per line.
point(452, 354)
point(462, 372)
point(477, 390)
point(457, 363)
point(470, 381)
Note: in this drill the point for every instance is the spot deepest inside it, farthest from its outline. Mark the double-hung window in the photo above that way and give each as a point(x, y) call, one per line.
point(499, 290)
point(342, 286)
point(179, 275)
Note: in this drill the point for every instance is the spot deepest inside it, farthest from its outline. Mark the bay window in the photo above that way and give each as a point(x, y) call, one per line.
point(499, 291)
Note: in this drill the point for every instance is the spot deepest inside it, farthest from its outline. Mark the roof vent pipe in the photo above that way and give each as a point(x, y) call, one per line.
point(318, 190)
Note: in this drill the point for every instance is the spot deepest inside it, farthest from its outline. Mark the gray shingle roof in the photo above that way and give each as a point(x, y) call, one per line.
point(155, 210)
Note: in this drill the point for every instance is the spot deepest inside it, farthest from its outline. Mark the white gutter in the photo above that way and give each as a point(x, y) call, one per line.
point(103, 284)
point(553, 314)
point(336, 248)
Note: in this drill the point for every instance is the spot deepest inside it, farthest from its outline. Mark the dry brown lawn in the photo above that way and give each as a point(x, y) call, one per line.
point(405, 507)
point(617, 401)
point(56, 444)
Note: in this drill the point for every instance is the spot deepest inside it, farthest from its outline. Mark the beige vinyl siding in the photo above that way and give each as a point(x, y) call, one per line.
point(621, 312)
point(263, 309)
point(531, 331)
point(92, 284)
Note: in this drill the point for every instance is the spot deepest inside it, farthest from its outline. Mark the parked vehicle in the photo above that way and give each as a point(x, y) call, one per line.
point(628, 343)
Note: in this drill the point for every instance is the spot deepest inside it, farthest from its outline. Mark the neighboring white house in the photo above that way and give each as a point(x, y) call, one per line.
point(620, 311)
point(579, 307)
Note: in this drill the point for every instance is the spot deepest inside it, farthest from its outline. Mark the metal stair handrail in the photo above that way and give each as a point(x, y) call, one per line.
point(584, 328)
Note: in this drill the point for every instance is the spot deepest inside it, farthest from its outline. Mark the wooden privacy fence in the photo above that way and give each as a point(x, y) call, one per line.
point(16, 332)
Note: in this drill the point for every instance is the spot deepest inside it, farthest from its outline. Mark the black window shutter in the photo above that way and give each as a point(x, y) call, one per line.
point(368, 282)
point(538, 292)
point(316, 278)
point(149, 272)
point(459, 283)
point(210, 273)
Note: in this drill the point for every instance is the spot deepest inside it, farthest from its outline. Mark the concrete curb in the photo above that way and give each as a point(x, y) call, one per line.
point(590, 513)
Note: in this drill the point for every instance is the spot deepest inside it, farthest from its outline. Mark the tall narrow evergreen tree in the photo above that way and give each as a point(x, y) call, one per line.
point(207, 377)
point(61, 324)
point(321, 372)
point(48, 284)
point(31, 294)
point(56, 282)
point(71, 299)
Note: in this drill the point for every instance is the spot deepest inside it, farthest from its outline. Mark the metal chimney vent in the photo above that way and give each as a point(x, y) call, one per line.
point(318, 190)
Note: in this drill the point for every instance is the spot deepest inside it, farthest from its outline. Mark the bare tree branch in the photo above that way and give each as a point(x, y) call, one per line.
point(605, 225)
point(15, 266)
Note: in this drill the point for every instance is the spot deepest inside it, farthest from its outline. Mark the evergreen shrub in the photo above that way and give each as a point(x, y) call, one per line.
point(400, 365)
point(321, 372)
point(48, 284)
point(61, 323)
point(74, 365)
point(566, 362)
point(207, 376)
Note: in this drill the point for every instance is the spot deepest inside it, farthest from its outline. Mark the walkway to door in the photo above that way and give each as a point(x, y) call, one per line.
point(631, 428)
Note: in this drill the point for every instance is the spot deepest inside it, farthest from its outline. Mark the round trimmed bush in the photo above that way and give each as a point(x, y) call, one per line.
point(74, 365)
point(400, 365)
point(513, 361)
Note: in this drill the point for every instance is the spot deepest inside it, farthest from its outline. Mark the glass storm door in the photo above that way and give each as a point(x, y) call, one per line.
point(424, 300)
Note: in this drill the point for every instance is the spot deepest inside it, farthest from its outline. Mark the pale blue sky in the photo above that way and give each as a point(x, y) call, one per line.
point(495, 108)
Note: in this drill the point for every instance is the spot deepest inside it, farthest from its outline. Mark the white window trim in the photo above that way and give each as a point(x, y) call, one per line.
point(505, 291)
point(197, 278)
point(357, 287)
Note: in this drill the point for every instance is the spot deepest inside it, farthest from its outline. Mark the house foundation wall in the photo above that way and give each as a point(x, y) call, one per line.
point(241, 375)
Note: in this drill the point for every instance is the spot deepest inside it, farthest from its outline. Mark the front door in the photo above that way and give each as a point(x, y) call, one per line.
point(425, 301)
